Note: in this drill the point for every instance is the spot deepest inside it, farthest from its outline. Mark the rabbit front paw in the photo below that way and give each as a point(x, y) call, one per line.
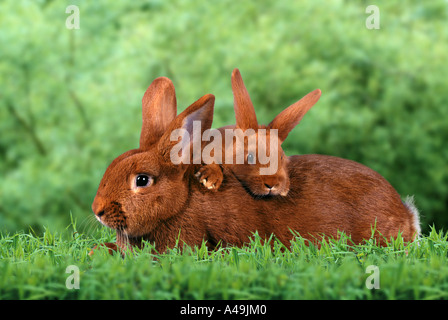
point(111, 247)
point(210, 176)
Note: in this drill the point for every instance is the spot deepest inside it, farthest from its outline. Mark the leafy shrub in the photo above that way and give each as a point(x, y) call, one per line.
point(70, 99)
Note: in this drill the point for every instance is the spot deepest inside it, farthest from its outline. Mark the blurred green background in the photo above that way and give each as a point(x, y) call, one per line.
point(70, 100)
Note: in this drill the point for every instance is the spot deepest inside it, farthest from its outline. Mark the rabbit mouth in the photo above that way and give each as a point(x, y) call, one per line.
point(113, 222)
point(278, 192)
point(114, 217)
point(271, 192)
point(265, 192)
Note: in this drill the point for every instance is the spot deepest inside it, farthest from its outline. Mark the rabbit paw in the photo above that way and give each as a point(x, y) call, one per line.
point(210, 176)
point(111, 247)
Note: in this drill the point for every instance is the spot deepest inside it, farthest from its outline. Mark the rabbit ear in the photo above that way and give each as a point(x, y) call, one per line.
point(291, 116)
point(188, 126)
point(244, 109)
point(159, 108)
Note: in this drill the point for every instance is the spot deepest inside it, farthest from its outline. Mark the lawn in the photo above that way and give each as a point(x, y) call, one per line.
point(56, 265)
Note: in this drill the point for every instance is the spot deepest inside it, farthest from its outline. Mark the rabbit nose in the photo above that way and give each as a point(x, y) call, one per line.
point(98, 206)
point(271, 183)
point(268, 186)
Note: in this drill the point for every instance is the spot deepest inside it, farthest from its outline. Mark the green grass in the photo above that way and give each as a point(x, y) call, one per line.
point(34, 267)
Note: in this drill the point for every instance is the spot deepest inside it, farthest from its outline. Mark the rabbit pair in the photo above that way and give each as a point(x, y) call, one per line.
point(260, 178)
point(143, 195)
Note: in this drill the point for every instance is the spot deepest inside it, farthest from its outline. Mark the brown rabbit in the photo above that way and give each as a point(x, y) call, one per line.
point(260, 178)
point(143, 195)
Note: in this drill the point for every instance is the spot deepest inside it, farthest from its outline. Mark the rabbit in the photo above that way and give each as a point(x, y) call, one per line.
point(257, 182)
point(143, 195)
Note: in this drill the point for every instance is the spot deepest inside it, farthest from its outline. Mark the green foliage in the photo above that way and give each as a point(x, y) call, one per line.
point(70, 99)
point(35, 267)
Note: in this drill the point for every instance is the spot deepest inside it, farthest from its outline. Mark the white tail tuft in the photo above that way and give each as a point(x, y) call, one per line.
point(409, 202)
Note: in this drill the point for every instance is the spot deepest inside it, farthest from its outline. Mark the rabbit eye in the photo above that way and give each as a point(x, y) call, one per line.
point(250, 158)
point(143, 180)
